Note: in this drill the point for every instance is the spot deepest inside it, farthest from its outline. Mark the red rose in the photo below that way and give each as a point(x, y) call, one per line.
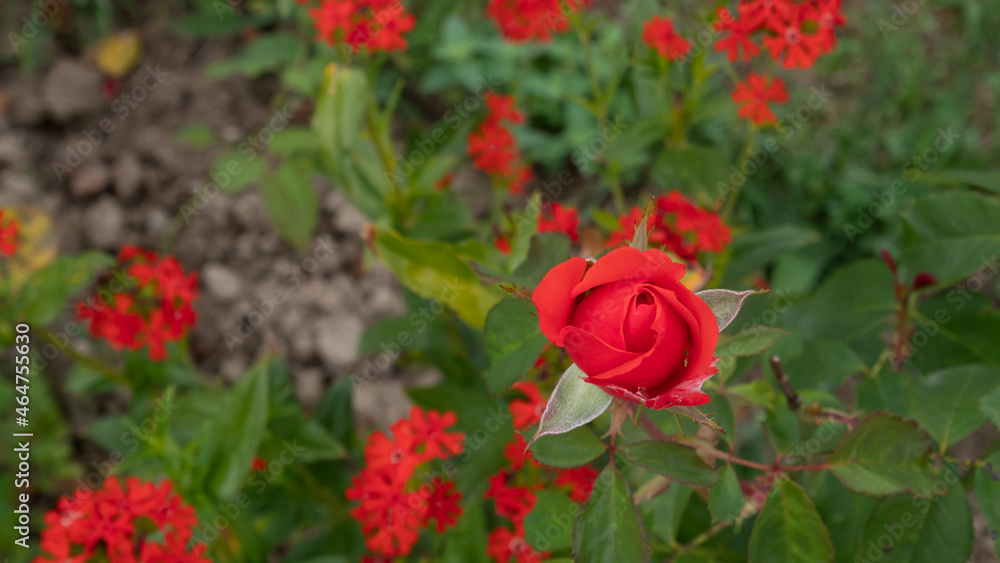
point(631, 326)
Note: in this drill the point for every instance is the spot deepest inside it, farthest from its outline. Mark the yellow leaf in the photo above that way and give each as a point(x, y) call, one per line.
point(37, 245)
point(118, 53)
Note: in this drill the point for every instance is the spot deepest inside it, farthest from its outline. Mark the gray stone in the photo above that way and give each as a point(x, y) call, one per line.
point(89, 179)
point(127, 175)
point(157, 220)
point(384, 300)
point(221, 282)
point(379, 403)
point(337, 339)
point(309, 387)
point(72, 89)
point(346, 217)
point(102, 223)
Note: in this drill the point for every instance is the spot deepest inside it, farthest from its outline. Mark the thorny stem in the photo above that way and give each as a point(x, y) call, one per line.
point(656, 433)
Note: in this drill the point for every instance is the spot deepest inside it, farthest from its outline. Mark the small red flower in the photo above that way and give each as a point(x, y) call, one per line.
point(531, 20)
point(513, 502)
point(9, 227)
point(259, 464)
point(739, 31)
point(374, 25)
point(106, 521)
point(390, 512)
point(580, 481)
point(503, 544)
point(527, 412)
point(154, 310)
point(559, 219)
point(493, 148)
point(754, 95)
point(442, 505)
point(679, 226)
point(659, 34)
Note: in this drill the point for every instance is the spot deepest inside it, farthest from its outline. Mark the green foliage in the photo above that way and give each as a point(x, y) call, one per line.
point(788, 528)
point(674, 461)
point(609, 529)
point(513, 341)
point(577, 447)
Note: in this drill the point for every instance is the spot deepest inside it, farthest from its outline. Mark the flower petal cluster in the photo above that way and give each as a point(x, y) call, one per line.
point(373, 25)
point(9, 227)
point(513, 488)
point(493, 148)
point(521, 21)
point(392, 509)
point(678, 226)
point(152, 309)
point(659, 34)
point(136, 523)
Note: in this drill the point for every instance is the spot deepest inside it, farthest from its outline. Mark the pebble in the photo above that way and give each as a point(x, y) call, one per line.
point(72, 89)
point(221, 281)
point(89, 179)
point(127, 175)
point(337, 339)
point(102, 223)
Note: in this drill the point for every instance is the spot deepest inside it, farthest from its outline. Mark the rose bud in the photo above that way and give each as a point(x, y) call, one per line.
point(631, 326)
point(924, 279)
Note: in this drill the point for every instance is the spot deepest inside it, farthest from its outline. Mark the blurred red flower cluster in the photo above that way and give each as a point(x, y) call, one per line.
point(113, 524)
point(678, 226)
point(155, 308)
point(532, 20)
point(795, 33)
point(552, 219)
point(493, 147)
point(375, 25)
point(9, 227)
point(513, 489)
point(392, 507)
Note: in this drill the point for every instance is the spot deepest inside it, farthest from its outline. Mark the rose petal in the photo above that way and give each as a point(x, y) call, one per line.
point(553, 297)
point(602, 313)
point(594, 356)
point(623, 264)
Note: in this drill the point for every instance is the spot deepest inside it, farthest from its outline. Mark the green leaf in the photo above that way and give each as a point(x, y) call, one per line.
point(987, 487)
point(340, 109)
point(726, 499)
point(788, 528)
point(922, 530)
point(951, 235)
point(573, 403)
point(241, 423)
point(549, 526)
point(577, 447)
point(725, 304)
point(945, 402)
point(269, 52)
point(45, 293)
point(197, 135)
point(315, 441)
point(986, 179)
point(855, 300)
point(668, 511)
point(990, 405)
point(334, 411)
point(755, 249)
point(609, 529)
point(513, 341)
point(758, 392)
point(546, 251)
point(233, 171)
point(291, 203)
point(885, 455)
point(677, 462)
point(824, 364)
point(750, 342)
point(293, 141)
point(435, 270)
